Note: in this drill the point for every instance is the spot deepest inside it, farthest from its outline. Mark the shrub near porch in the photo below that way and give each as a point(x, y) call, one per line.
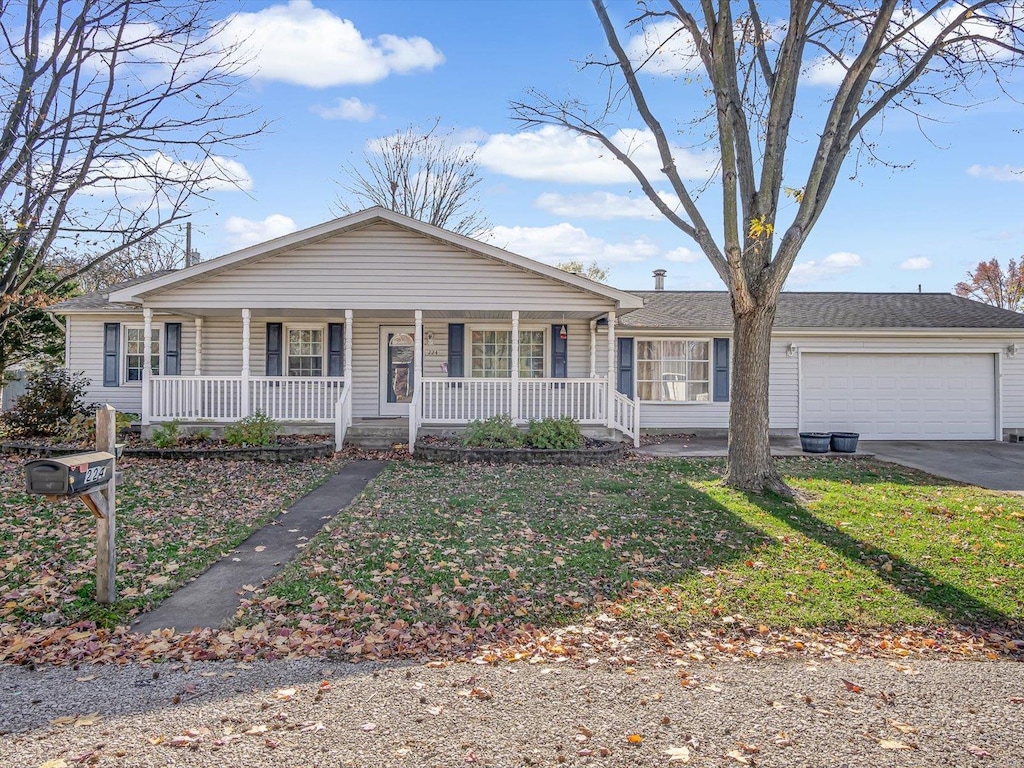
point(462, 553)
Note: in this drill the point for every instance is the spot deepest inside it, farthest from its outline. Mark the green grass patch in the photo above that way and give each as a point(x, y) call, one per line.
point(663, 543)
point(174, 519)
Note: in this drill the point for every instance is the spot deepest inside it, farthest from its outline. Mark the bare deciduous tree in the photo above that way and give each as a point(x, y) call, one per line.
point(154, 254)
point(423, 174)
point(748, 68)
point(114, 115)
point(990, 283)
point(592, 270)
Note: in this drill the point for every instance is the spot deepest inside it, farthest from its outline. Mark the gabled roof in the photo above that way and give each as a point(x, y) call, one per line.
point(711, 310)
point(100, 300)
point(138, 292)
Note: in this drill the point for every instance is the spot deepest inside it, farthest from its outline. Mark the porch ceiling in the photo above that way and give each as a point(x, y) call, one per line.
point(554, 314)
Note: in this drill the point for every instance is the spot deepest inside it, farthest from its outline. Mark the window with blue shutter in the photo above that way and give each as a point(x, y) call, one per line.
point(559, 353)
point(624, 380)
point(111, 354)
point(275, 334)
point(172, 349)
point(456, 350)
point(335, 349)
point(721, 360)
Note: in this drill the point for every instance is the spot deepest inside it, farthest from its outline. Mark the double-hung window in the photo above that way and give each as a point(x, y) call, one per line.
point(491, 354)
point(135, 351)
point(305, 351)
point(673, 370)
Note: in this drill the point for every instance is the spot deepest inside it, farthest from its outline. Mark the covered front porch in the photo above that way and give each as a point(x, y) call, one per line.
point(430, 367)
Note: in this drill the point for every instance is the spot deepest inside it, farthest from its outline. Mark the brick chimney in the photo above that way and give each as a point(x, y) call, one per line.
point(659, 279)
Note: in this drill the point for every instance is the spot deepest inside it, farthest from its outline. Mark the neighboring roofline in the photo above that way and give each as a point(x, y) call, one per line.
point(138, 292)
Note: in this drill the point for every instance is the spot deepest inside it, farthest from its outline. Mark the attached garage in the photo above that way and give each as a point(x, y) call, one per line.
point(890, 396)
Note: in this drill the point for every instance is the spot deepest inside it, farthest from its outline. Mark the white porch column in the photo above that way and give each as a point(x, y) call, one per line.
point(593, 349)
point(246, 322)
point(199, 347)
point(147, 347)
point(611, 366)
point(514, 366)
point(347, 370)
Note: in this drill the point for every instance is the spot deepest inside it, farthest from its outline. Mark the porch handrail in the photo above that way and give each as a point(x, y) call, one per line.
point(230, 398)
point(459, 400)
point(626, 416)
point(342, 416)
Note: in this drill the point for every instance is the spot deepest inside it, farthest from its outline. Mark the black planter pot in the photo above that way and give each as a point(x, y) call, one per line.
point(845, 442)
point(815, 442)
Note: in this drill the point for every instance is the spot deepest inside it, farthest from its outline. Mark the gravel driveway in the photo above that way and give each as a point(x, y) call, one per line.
point(766, 713)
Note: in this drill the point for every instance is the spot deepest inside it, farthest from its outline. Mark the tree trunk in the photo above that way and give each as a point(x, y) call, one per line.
point(750, 459)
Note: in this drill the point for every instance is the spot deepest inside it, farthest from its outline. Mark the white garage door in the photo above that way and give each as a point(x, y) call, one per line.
point(899, 396)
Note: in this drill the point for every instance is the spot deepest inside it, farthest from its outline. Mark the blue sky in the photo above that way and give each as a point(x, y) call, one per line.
point(331, 76)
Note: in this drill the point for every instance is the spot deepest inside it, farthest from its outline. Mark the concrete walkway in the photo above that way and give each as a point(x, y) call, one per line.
point(212, 598)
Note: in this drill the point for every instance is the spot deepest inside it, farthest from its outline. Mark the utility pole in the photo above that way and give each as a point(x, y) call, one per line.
point(188, 243)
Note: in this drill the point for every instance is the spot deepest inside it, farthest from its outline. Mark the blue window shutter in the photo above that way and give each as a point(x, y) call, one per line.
point(559, 353)
point(111, 354)
point(172, 349)
point(721, 385)
point(624, 382)
point(335, 349)
point(456, 350)
point(275, 332)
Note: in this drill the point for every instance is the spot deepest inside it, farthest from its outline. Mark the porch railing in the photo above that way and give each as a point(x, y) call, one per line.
point(456, 401)
point(342, 415)
point(229, 398)
point(626, 416)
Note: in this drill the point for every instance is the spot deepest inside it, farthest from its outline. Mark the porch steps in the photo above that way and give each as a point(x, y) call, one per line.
point(378, 434)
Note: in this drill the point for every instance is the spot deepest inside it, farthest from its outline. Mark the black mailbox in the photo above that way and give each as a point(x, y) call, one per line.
point(68, 475)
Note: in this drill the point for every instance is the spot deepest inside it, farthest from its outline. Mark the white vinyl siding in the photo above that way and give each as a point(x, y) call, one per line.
point(381, 267)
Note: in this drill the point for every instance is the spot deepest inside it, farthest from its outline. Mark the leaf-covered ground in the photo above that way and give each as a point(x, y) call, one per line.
point(437, 556)
point(540, 562)
point(174, 519)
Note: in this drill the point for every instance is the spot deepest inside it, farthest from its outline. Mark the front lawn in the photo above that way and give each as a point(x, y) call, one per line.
point(174, 519)
point(453, 552)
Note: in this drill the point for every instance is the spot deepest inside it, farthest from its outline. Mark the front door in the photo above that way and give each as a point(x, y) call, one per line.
point(397, 345)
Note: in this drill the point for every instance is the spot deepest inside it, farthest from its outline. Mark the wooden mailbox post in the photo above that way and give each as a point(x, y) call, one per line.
point(92, 477)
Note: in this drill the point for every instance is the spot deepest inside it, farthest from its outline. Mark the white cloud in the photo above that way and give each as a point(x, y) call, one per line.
point(346, 109)
point(669, 46)
point(917, 262)
point(683, 255)
point(832, 265)
point(602, 205)
point(301, 44)
point(244, 232)
point(557, 154)
point(824, 70)
point(150, 175)
point(997, 172)
point(560, 242)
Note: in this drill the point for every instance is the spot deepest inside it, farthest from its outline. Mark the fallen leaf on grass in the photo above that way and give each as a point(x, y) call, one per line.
point(54, 764)
point(852, 687)
point(285, 694)
point(738, 756)
point(677, 754)
point(368, 727)
point(311, 727)
point(977, 751)
point(481, 693)
point(903, 727)
point(634, 738)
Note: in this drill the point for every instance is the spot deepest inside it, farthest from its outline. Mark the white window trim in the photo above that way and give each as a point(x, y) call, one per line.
point(157, 336)
point(711, 371)
point(322, 327)
point(546, 330)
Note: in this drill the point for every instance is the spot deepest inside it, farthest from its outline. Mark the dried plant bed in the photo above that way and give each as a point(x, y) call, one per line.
point(449, 451)
point(281, 452)
point(175, 518)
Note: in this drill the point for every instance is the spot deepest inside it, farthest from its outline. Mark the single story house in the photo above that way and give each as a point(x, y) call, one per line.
point(375, 316)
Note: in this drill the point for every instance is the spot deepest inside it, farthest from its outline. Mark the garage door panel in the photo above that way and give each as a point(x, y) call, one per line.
point(899, 396)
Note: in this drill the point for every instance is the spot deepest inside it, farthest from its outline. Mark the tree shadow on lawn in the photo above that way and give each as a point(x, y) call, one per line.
point(946, 599)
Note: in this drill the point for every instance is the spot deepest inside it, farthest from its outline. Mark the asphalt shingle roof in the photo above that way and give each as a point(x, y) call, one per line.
point(99, 300)
point(711, 309)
